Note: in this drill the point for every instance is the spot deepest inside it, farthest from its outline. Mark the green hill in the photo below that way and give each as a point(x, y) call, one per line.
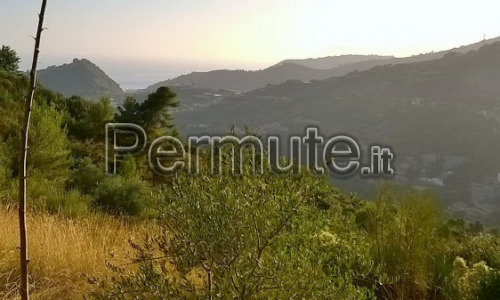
point(82, 78)
point(442, 108)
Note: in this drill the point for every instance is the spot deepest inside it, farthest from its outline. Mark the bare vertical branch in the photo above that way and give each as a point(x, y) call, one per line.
point(28, 102)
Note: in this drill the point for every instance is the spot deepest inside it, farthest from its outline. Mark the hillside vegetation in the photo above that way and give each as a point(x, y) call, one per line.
point(81, 78)
point(446, 107)
point(137, 235)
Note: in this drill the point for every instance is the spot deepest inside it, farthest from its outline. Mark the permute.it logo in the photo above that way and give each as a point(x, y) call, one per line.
point(340, 155)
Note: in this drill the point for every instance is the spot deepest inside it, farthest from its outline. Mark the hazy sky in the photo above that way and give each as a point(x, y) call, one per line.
point(203, 34)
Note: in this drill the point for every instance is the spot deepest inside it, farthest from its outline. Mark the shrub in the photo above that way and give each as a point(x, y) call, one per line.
point(489, 287)
point(123, 196)
point(248, 237)
point(484, 247)
point(50, 196)
point(86, 177)
point(403, 228)
point(468, 279)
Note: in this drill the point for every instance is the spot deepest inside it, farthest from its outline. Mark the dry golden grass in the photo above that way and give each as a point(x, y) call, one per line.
point(61, 250)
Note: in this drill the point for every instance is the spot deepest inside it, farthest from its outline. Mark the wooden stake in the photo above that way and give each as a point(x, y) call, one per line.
point(23, 175)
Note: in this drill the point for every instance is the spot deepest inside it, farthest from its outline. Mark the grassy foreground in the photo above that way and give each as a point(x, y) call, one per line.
point(62, 251)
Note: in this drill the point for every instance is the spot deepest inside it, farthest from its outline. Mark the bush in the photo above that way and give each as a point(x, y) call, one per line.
point(123, 196)
point(489, 287)
point(468, 280)
point(86, 177)
point(248, 237)
point(50, 196)
point(484, 247)
point(403, 228)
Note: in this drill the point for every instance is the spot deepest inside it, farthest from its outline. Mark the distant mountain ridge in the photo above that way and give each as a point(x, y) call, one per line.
point(241, 80)
point(80, 77)
point(468, 82)
point(330, 62)
point(84, 78)
point(303, 69)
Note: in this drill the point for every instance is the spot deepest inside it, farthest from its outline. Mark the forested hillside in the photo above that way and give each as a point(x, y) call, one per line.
point(206, 236)
point(445, 109)
point(81, 78)
point(305, 70)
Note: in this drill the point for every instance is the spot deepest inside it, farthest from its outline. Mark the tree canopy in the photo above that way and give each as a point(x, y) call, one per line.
point(9, 61)
point(153, 114)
